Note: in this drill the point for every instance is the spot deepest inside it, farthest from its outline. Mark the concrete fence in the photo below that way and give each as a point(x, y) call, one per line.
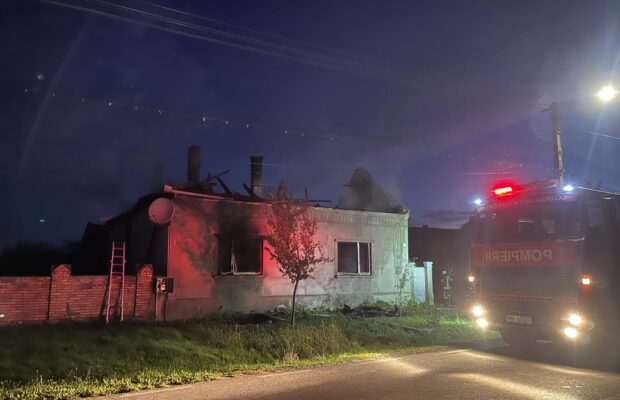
point(62, 296)
point(422, 283)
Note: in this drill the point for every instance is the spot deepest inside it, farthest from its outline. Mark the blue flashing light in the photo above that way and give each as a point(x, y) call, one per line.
point(478, 201)
point(568, 188)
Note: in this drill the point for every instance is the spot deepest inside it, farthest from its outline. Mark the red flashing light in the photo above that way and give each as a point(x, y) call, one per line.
point(505, 188)
point(501, 191)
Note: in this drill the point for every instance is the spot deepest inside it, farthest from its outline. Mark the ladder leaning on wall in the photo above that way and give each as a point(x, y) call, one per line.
point(117, 268)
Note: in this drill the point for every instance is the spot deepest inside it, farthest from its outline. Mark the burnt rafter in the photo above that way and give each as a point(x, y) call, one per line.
point(211, 178)
point(251, 192)
point(224, 186)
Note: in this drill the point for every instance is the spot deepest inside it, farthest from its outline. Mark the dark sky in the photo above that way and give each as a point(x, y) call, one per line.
point(447, 95)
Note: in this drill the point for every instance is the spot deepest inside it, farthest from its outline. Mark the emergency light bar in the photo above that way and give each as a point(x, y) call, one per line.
point(503, 190)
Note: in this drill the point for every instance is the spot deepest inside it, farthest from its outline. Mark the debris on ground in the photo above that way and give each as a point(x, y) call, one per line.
point(258, 318)
point(372, 311)
point(419, 331)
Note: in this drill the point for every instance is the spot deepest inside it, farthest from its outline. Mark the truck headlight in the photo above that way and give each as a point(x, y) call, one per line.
point(482, 323)
point(575, 319)
point(571, 332)
point(477, 310)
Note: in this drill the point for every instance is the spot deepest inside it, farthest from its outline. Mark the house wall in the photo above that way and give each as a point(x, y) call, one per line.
point(200, 290)
point(65, 297)
point(146, 242)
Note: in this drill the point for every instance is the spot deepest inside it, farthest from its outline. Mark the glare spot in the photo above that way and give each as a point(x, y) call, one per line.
point(513, 389)
point(403, 367)
point(571, 332)
point(607, 94)
point(40, 76)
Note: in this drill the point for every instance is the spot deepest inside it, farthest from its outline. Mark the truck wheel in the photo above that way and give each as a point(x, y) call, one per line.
point(518, 338)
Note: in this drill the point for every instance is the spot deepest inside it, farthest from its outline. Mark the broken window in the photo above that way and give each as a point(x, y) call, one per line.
point(239, 255)
point(354, 258)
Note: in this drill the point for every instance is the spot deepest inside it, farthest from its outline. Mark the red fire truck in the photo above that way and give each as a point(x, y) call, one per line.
point(545, 262)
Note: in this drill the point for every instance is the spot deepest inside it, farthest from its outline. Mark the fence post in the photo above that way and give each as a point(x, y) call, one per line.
point(60, 287)
point(428, 282)
point(144, 292)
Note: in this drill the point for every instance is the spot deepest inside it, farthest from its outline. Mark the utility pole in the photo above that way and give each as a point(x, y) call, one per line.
point(558, 163)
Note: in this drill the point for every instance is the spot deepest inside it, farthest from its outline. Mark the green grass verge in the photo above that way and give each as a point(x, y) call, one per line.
point(76, 360)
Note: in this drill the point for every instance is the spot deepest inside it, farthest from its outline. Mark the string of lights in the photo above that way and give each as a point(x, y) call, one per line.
point(206, 120)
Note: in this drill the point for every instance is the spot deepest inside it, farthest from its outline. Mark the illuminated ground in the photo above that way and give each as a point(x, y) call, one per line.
point(489, 371)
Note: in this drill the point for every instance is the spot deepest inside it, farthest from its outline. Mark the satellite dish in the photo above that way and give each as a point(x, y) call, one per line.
point(161, 211)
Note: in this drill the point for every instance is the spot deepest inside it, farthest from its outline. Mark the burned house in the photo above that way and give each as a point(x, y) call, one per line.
point(211, 242)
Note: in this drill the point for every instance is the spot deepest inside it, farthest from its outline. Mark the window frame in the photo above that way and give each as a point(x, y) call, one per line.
point(261, 247)
point(357, 243)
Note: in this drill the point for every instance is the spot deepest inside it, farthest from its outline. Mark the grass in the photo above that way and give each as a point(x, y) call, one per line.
point(76, 360)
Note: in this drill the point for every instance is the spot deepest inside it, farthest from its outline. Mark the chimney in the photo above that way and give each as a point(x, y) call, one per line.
point(193, 164)
point(256, 174)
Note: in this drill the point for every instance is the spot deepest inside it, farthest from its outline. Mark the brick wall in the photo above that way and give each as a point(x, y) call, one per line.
point(24, 299)
point(65, 297)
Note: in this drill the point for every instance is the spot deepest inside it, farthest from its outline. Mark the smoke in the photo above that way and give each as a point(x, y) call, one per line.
point(444, 218)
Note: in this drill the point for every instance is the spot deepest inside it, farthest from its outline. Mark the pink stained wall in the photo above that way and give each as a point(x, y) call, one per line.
point(200, 290)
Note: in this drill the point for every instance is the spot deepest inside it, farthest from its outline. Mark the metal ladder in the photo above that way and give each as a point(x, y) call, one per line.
point(117, 268)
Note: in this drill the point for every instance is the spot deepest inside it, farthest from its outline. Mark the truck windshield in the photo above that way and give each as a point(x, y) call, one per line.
point(533, 222)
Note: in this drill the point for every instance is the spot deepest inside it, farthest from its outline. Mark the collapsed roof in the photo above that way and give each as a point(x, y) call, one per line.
point(365, 194)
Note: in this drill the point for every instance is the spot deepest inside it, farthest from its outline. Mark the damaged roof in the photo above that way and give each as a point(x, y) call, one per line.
point(361, 193)
point(364, 193)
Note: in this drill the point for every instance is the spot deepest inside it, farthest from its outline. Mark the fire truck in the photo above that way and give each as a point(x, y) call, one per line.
point(545, 263)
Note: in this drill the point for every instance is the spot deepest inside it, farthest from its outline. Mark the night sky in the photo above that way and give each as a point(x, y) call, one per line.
point(436, 99)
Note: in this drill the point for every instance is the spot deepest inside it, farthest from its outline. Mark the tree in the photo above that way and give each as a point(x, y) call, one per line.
point(291, 233)
point(403, 279)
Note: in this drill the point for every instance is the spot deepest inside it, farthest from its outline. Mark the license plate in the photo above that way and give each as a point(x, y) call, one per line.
point(519, 319)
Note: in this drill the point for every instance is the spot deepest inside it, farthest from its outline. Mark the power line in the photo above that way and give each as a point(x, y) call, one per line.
point(273, 45)
point(244, 43)
point(607, 136)
point(260, 46)
point(212, 20)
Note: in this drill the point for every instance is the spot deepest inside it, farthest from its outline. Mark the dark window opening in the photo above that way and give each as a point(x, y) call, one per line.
point(354, 258)
point(239, 255)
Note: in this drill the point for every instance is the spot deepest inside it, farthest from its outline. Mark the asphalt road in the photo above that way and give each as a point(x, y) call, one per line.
point(489, 370)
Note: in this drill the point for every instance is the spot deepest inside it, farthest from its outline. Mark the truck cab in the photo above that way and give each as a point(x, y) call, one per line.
point(545, 262)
